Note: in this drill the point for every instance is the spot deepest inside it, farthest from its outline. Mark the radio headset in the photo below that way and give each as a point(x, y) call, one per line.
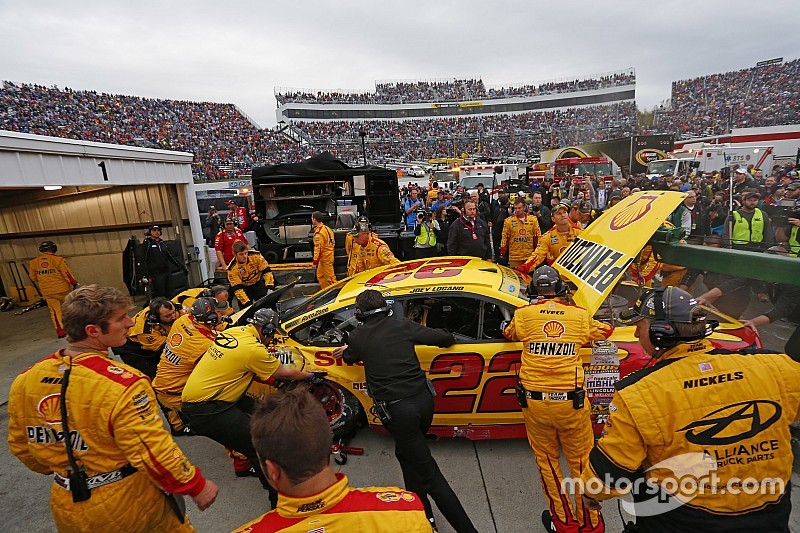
point(203, 311)
point(662, 332)
point(361, 315)
point(78, 480)
point(578, 395)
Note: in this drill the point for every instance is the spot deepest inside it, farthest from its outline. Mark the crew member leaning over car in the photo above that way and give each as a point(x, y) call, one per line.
point(249, 275)
point(368, 251)
point(553, 243)
point(698, 415)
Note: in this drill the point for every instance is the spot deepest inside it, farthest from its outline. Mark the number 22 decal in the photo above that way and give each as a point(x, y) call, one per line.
point(497, 395)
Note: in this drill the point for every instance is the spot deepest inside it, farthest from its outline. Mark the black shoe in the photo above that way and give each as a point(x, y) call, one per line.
point(250, 472)
point(185, 432)
point(547, 521)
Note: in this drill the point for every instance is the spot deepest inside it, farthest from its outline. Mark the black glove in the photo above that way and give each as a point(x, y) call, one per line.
point(227, 319)
point(316, 377)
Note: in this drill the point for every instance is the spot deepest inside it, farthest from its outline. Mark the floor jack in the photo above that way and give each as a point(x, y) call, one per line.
point(22, 292)
point(340, 451)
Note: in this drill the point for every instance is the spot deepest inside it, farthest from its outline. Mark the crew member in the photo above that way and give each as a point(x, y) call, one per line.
point(238, 214)
point(214, 222)
point(787, 306)
point(324, 245)
point(224, 241)
point(403, 397)
point(292, 437)
point(189, 338)
point(553, 243)
point(368, 251)
point(468, 234)
point(158, 263)
point(147, 336)
point(185, 299)
point(520, 235)
point(249, 275)
point(552, 396)
point(214, 398)
point(698, 414)
point(114, 470)
point(53, 279)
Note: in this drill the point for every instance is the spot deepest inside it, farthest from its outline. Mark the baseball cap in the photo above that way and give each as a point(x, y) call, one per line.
point(562, 204)
point(229, 221)
point(793, 186)
point(679, 306)
point(212, 208)
point(155, 226)
point(747, 193)
point(741, 171)
point(585, 207)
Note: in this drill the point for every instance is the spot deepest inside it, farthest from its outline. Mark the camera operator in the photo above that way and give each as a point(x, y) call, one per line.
point(427, 232)
point(697, 414)
point(403, 397)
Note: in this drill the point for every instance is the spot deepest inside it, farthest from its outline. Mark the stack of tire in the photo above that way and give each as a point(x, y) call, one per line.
point(340, 253)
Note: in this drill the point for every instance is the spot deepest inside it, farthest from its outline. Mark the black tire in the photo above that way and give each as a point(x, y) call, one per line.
point(339, 238)
point(271, 257)
point(340, 262)
point(344, 411)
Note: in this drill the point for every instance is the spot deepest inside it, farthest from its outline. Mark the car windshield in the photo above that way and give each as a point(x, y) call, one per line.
point(320, 300)
point(665, 166)
point(471, 182)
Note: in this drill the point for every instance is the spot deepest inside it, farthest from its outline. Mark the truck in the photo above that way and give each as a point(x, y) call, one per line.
point(287, 194)
point(710, 158)
point(491, 176)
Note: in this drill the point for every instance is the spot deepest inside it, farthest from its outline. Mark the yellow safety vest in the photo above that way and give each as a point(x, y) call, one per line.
point(426, 237)
point(794, 242)
point(744, 232)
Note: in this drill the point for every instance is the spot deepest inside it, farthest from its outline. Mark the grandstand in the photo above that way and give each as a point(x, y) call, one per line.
point(407, 119)
point(764, 95)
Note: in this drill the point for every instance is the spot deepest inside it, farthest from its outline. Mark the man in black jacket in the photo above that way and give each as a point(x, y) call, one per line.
point(403, 397)
point(468, 235)
point(158, 263)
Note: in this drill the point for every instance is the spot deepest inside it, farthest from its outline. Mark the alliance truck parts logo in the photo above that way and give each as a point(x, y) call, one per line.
point(733, 423)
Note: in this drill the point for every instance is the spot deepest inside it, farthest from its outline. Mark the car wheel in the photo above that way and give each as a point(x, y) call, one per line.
point(344, 411)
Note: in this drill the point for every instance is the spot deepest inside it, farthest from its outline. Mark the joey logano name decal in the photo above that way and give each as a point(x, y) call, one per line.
point(596, 265)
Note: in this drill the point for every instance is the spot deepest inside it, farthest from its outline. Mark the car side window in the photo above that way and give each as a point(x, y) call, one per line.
point(456, 314)
point(326, 330)
point(495, 318)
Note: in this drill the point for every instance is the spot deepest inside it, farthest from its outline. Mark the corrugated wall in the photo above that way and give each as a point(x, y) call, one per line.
point(97, 223)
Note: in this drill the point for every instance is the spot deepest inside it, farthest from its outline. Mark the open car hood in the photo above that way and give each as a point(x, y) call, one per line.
point(270, 300)
point(602, 253)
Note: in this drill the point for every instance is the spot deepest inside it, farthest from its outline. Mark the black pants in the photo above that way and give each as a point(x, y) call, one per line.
point(229, 424)
point(255, 292)
point(132, 353)
point(792, 348)
point(159, 285)
point(411, 418)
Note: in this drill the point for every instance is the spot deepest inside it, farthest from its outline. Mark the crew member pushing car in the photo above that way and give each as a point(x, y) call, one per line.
point(551, 394)
point(249, 274)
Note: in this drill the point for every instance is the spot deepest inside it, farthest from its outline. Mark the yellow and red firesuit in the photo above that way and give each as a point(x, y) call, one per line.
point(251, 279)
point(184, 300)
point(55, 280)
point(324, 245)
point(376, 253)
point(341, 507)
point(728, 414)
point(551, 245)
point(188, 340)
point(552, 332)
point(519, 238)
point(115, 430)
point(149, 336)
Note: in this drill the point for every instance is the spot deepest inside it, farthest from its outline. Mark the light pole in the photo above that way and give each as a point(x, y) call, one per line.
point(362, 134)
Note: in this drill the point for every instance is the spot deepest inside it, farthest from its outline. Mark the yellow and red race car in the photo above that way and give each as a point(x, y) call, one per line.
point(474, 378)
point(474, 299)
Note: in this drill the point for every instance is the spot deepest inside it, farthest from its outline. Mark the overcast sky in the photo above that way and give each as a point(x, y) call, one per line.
point(238, 51)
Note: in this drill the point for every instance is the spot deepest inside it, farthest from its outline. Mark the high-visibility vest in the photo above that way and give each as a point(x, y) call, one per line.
point(744, 232)
point(426, 237)
point(794, 242)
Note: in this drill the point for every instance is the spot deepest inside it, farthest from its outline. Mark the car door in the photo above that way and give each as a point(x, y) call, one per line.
point(475, 378)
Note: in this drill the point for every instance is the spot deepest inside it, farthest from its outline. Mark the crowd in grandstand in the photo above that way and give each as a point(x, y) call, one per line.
point(759, 96)
point(398, 92)
point(227, 143)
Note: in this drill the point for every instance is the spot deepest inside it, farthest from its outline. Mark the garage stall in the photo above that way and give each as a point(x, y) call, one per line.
point(90, 199)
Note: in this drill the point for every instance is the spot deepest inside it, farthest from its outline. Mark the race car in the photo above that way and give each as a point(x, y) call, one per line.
point(474, 299)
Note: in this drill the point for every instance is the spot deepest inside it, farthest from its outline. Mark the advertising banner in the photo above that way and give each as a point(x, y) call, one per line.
point(631, 154)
